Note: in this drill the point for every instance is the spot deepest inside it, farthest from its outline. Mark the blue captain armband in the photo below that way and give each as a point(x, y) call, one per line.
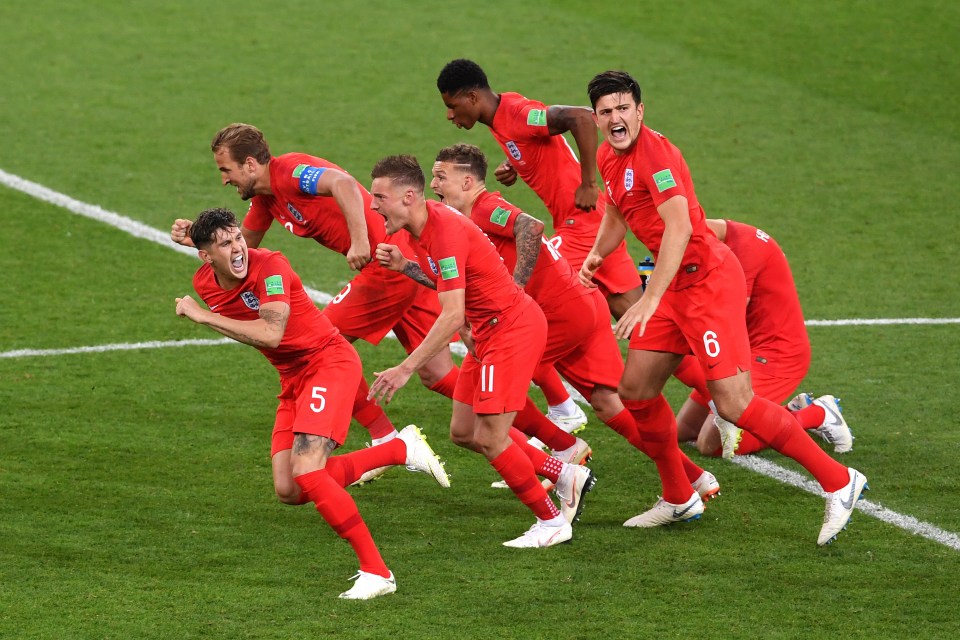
point(309, 176)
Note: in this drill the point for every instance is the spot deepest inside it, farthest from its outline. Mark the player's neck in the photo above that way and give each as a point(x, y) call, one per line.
point(472, 198)
point(262, 186)
point(418, 219)
point(490, 102)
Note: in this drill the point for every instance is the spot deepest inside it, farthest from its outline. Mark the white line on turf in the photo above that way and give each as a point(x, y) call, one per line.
point(131, 226)
point(907, 523)
point(759, 465)
point(102, 348)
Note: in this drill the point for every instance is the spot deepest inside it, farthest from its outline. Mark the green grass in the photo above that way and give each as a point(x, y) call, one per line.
point(135, 490)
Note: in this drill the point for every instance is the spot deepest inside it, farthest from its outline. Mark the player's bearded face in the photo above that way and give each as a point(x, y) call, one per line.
point(442, 185)
point(235, 174)
point(619, 119)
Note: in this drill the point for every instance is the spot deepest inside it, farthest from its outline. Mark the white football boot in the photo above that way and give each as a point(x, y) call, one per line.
point(664, 512)
point(369, 585)
point(840, 505)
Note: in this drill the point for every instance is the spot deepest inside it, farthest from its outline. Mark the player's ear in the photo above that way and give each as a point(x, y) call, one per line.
point(205, 256)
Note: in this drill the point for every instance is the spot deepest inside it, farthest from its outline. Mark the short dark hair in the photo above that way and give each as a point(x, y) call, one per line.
point(242, 141)
point(402, 169)
point(610, 82)
point(461, 75)
point(467, 155)
point(204, 228)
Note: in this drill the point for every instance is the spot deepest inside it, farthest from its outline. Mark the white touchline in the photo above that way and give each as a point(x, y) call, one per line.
point(128, 346)
point(907, 523)
point(758, 465)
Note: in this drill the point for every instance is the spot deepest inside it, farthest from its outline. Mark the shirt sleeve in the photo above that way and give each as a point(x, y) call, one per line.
point(258, 216)
point(451, 252)
point(529, 120)
point(663, 175)
point(498, 222)
point(275, 280)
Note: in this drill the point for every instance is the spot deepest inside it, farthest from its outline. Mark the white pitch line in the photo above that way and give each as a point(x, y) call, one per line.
point(907, 523)
point(131, 226)
point(103, 348)
point(140, 230)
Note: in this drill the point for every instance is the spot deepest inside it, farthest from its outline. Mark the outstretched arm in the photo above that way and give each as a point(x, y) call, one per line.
point(612, 231)
point(447, 323)
point(579, 122)
point(266, 332)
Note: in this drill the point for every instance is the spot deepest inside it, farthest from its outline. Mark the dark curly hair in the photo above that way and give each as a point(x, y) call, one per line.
point(204, 228)
point(461, 75)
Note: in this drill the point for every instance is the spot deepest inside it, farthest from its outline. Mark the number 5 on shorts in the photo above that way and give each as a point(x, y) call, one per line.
point(318, 395)
point(710, 344)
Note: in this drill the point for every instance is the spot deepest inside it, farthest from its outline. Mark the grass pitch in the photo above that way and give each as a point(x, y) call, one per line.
point(135, 493)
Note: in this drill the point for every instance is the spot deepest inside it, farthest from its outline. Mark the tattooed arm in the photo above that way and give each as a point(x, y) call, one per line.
point(528, 232)
point(390, 256)
point(266, 332)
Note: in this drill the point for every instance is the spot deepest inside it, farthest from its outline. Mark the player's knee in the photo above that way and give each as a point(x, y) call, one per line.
point(288, 492)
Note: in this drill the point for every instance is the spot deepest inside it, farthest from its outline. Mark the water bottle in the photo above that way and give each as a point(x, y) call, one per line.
point(645, 268)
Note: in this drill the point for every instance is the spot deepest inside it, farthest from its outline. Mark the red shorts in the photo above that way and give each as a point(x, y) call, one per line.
point(372, 303)
point(418, 319)
point(319, 401)
point(773, 388)
point(498, 379)
point(707, 319)
point(581, 344)
point(617, 274)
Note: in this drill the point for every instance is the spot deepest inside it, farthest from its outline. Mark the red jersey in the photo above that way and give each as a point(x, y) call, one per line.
point(651, 172)
point(293, 180)
point(546, 163)
point(774, 317)
point(553, 279)
point(271, 279)
point(455, 254)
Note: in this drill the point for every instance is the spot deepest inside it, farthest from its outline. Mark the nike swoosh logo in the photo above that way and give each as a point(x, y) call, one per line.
point(550, 539)
point(214, 307)
point(679, 514)
point(848, 503)
point(834, 418)
point(711, 366)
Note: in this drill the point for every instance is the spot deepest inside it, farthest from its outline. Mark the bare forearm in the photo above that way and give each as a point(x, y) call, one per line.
point(610, 233)
point(348, 198)
point(437, 339)
point(265, 332)
point(672, 247)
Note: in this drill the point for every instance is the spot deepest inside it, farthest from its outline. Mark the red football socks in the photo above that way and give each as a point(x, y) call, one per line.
point(517, 470)
point(446, 385)
point(543, 465)
point(810, 417)
point(774, 424)
point(340, 511)
point(369, 414)
point(535, 424)
point(550, 383)
point(658, 433)
point(347, 467)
